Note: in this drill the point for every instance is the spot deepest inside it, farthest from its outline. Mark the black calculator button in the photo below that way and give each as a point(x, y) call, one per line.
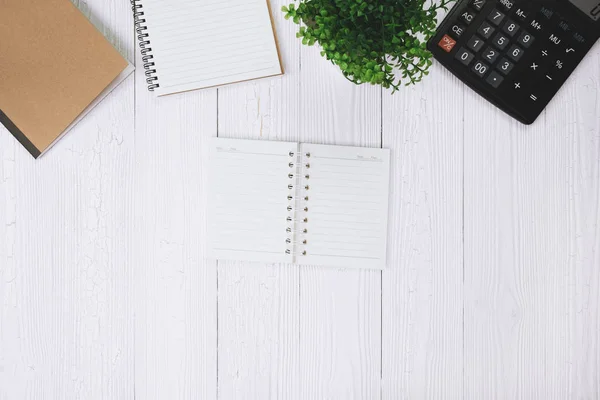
point(464, 56)
point(554, 39)
point(515, 52)
point(457, 30)
point(496, 17)
point(550, 77)
point(546, 12)
point(525, 39)
point(564, 26)
point(480, 68)
point(490, 55)
point(536, 25)
point(505, 66)
point(517, 85)
point(486, 30)
point(477, 4)
point(570, 51)
point(467, 16)
point(558, 66)
point(475, 43)
point(501, 41)
point(521, 14)
point(511, 28)
point(495, 79)
point(535, 66)
point(578, 38)
point(506, 4)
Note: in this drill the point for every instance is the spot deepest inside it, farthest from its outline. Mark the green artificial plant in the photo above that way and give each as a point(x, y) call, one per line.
point(382, 42)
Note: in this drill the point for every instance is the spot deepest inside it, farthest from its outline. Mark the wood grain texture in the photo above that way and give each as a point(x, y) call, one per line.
point(66, 312)
point(340, 310)
point(176, 287)
point(258, 303)
point(422, 299)
point(493, 286)
point(531, 236)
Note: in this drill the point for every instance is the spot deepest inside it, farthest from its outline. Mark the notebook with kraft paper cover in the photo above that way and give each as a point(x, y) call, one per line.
point(55, 66)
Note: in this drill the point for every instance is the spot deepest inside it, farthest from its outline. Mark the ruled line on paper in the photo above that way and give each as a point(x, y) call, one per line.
point(199, 43)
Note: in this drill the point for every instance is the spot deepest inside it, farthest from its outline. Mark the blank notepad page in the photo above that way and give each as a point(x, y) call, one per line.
point(248, 204)
point(204, 43)
point(345, 193)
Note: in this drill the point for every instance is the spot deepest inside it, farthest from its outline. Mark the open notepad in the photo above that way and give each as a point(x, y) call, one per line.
point(298, 203)
point(194, 44)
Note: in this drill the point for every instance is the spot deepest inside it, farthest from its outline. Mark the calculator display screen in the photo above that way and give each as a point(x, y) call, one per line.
point(590, 7)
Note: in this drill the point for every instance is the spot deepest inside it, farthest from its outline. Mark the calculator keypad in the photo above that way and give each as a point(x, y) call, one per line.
point(525, 39)
point(496, 17)
point(490, 55)
point(501, 41)
point(495, 79)
point(477, 4)
point(515, 52)
point(475, 43)
point(486, 30)
point(505, 66)
point(464, 56)
point(518, 49)
point(511, 28)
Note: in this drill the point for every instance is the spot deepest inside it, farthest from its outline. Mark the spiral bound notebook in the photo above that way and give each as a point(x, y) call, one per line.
point(55, 66)
point(195, 44)
point(298, 203)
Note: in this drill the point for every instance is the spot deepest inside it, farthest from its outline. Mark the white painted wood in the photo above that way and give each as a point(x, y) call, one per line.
point(176, 288)
point(105, 293)
point(422, 299)
point(258, 303)
point(340, 310)
point(66, 314)
point(531, 238)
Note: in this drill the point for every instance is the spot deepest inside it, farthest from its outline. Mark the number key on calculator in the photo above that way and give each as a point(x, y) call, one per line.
point(517, 54)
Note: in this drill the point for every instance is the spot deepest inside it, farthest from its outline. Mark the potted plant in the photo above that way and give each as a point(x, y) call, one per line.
point(381, 42)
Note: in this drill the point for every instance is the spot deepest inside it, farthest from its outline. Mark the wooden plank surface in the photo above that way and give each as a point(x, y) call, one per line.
point(493, 285)
point(258, 304)
point(340, 310)
point(175, 286)
point(66, 314)
point(531, 257)
point(422, 299)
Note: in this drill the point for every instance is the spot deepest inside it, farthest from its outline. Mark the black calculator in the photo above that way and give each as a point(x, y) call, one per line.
point(516, 54)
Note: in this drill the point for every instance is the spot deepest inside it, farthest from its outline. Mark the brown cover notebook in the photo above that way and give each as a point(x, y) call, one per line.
point(54, 67)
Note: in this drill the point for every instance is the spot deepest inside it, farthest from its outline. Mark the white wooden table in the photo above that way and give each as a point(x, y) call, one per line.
point(493, 285)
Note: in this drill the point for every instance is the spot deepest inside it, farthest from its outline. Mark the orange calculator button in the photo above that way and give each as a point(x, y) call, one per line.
point(447, 43)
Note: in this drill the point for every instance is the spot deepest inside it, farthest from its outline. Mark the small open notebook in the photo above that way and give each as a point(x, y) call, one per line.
point(298, 203)
point(194, 44)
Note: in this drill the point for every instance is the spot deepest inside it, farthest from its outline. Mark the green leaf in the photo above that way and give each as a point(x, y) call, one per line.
point(379, 42)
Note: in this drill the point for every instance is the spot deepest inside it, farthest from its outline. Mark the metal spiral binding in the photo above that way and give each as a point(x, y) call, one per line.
point(291, 203)
point(305, 199)
point(144, 42)
point(297, 208)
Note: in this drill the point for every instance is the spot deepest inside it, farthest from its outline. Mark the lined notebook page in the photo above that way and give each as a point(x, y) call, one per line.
point(345, 222)
point(203, 43)
point(250, 183)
